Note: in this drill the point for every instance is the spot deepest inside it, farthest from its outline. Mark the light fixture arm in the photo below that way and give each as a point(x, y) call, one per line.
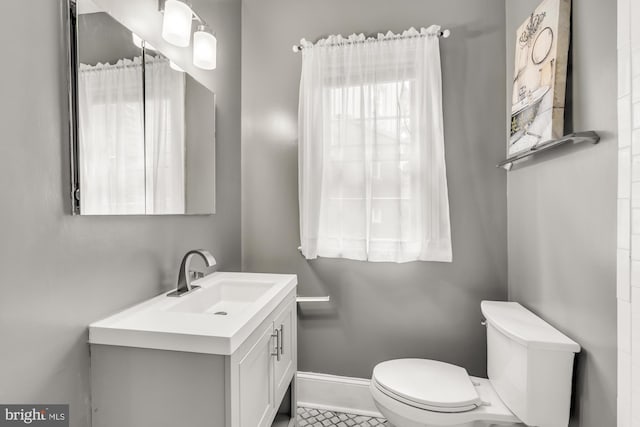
point(199, 18)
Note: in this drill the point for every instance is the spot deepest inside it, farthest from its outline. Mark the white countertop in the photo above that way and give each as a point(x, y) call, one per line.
point(188, 323)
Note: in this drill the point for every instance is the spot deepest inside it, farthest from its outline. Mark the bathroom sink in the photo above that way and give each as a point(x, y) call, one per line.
point(228, 297)
point(214, 319)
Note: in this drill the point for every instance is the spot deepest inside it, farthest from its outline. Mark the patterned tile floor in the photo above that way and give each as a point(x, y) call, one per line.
point(308, 417)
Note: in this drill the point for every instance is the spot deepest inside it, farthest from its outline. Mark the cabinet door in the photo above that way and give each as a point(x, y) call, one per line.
point(256, 382)
point(285, 368)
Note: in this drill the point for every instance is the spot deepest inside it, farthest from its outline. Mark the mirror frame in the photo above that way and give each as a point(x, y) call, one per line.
point(71, 42)
point(70, 25)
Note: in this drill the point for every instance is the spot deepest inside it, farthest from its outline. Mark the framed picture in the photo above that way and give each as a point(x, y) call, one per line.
point(539, 80)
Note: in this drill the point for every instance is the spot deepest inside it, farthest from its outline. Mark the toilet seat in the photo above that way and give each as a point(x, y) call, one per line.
point(401, 407)
point(427, 384)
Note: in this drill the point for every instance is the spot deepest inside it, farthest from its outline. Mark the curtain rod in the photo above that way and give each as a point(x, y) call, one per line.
point(133, 64)
point(443, 34)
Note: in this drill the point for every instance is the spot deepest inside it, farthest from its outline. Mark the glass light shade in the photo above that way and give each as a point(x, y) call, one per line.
point(175, 67)
point(205, 48)
point(176, 24)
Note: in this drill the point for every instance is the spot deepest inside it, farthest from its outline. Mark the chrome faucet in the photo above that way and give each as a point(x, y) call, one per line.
point(184, 276)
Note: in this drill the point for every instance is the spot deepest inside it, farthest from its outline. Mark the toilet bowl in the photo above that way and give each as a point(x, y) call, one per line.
point(529, 365)
point(426, 393)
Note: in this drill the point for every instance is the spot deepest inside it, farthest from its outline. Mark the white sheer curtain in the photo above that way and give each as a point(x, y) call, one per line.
point(165, 138)
point(132, 158)
point(111, 138)
point(372, 175)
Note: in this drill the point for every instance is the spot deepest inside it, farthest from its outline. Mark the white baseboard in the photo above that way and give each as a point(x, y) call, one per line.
point(334, 393)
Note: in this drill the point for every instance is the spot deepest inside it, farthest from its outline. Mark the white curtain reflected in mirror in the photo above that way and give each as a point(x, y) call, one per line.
point(111, 136)
point(165, 138)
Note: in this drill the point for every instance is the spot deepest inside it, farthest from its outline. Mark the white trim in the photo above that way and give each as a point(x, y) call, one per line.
point(334, 393)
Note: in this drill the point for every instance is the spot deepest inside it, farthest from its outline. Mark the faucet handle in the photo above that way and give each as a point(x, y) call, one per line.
point(195, 275)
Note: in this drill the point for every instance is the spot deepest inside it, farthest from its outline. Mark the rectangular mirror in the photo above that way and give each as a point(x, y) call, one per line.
point(144, 130)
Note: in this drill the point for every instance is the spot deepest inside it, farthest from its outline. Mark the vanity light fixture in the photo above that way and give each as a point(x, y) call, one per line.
point(176, 29)
point(205, 46)
point(176, 24)
point(175, 67)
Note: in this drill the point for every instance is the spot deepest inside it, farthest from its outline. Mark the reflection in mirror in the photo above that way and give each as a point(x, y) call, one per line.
point(179, 127)
point(145, 129)
point(110, 118)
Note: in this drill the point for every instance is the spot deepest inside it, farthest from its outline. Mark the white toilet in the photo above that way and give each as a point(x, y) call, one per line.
point(530, 365)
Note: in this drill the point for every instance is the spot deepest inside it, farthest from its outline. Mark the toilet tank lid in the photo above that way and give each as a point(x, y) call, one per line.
point(521, 325)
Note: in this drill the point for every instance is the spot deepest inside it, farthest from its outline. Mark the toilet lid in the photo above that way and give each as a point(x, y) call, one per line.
point(427, 384)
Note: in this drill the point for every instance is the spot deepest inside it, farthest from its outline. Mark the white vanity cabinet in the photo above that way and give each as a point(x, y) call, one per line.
point(263, 369)
point(253, 386)
point(286, 362)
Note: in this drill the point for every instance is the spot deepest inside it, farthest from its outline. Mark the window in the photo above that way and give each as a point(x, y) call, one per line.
point(372, 173)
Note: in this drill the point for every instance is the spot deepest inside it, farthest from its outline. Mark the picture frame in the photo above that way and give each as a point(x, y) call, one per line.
point(540, 76)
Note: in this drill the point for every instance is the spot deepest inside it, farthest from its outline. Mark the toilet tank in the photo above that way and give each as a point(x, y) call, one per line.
point(529, 364)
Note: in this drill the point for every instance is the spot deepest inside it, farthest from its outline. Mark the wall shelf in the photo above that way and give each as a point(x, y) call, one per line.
point(575, 138)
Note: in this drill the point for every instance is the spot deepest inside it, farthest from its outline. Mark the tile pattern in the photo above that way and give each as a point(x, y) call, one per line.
point(309, 417)
point(628, 277)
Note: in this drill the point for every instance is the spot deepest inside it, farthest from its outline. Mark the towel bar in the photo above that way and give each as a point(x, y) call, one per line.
point(313, 299)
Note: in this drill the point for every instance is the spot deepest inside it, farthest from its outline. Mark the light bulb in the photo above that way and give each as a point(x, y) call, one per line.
point(176, 24)
point(175, 67)
point(205, 48)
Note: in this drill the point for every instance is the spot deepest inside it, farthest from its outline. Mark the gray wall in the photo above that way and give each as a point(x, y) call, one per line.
point(562, 215)
point(58, 273)
point(380, 311)
point(95, 47)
